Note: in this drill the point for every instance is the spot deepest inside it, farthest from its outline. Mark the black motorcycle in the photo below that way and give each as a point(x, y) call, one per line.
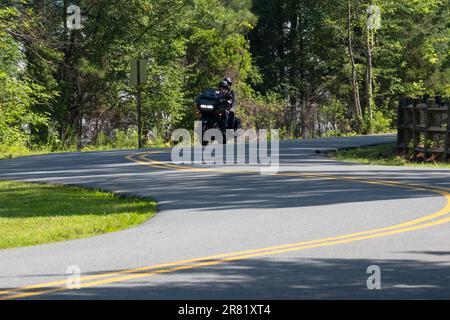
point(212, 105)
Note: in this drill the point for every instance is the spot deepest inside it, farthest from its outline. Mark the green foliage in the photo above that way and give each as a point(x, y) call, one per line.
point(122, 140)
point(14, 150)
point(378, 124)
point(19, 94)
point(65, 90)
point(261, 111)
point(16, 116)
point(119, 140)
point(414, 44)
point(335, 112)
point(301, 48)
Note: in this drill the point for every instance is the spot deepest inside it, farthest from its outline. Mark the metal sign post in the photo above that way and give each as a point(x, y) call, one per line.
point(139, 77)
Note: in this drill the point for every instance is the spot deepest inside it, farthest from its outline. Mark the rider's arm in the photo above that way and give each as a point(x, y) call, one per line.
point(234, 103)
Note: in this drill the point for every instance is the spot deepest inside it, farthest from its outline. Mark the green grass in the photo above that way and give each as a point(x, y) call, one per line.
point(381, 155)
point(32, 214)
point(10, 152)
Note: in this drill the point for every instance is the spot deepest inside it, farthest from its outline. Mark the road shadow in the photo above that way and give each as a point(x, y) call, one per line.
point(432, 253)
point(284, 279)
point(206, 191)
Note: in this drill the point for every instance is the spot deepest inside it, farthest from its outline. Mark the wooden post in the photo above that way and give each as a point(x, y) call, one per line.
point(415, 123)
point(406, 136)
point(429, 103)
point(401, 125)
point(407, 124)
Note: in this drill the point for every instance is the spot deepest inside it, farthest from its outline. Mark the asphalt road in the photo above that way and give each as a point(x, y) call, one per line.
point(309, 232)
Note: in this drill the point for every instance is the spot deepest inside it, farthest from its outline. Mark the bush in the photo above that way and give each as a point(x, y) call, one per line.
point(378, 124)
point(120, 140)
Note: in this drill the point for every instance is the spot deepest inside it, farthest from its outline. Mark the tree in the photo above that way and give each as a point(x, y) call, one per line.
point(354, 77)
point(19, 94)
point(294, 47)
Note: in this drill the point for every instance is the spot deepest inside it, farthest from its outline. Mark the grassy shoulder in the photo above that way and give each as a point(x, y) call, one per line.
point(33, 214)
point(10, 152)
point(384, 154)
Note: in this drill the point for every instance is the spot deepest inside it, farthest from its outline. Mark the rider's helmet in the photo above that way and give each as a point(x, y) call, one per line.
point(223, 84)
point(229, 81)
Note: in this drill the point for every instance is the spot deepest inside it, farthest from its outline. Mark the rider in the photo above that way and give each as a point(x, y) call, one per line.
point(230, 96)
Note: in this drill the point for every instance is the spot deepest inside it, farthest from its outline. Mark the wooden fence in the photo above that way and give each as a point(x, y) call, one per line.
point(424, 127)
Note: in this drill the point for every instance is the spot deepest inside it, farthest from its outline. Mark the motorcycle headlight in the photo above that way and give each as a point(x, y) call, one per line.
point(206, 106)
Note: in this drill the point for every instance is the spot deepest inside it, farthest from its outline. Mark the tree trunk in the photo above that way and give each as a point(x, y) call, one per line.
point(354, 78)
point(369, 76)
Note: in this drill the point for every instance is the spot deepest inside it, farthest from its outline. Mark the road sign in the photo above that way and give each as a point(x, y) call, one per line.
point(138, 72)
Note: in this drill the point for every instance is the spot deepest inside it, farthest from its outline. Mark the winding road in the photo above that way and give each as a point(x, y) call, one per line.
point(311, 231)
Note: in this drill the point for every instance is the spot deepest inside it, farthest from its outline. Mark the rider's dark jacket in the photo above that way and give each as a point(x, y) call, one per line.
point(230, 96)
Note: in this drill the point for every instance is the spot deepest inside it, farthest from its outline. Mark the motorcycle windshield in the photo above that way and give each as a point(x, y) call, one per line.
point(210, 95)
